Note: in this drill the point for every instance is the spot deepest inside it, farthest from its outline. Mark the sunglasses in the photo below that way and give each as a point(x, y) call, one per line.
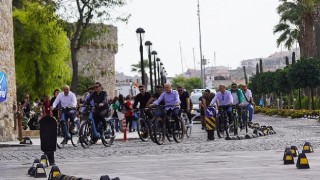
point(180, 90)
point(141, 89)
point(234, 86)
point(96, 86)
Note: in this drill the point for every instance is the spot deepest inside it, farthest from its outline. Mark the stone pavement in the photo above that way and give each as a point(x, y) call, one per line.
point(194, 158)
point(215, 165)
point(36, 140)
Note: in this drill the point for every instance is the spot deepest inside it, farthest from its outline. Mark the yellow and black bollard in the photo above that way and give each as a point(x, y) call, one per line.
point(210, 122)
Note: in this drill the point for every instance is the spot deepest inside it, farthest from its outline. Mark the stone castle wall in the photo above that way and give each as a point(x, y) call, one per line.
point(97, 59)
point(7, 65)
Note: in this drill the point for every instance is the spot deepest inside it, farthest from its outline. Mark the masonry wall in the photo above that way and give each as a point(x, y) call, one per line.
point(7, 65)
point(97, 59)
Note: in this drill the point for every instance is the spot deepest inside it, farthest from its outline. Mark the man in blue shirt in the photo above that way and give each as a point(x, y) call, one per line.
point(224, 100)
point(171, 100)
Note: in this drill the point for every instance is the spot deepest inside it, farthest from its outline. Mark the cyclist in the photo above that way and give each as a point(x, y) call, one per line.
point(99, 98)
point(68, 101)
point(156, 95)
point(238, 100)
point(248, 102)
point(171, 100)
point(185, 101)
point(224, 101)
point(142, 98)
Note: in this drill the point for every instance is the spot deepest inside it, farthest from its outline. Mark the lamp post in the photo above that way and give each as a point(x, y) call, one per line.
point(158, 67)
point(130, 83)
point(165, 76)
point(161, 72)
point(154, 53)
point(148, 44)
point(140, 33)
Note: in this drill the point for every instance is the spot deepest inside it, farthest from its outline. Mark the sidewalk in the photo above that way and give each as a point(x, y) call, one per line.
point(36, 140)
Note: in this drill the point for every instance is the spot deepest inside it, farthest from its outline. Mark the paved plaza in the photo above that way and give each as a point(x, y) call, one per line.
point(194, 158)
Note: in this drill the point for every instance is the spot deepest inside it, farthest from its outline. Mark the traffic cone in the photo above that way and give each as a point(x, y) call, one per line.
point(288, 158)
point(124, 125)
point(54, 173)
point(44, 160)
point(32, 169)
point(302, 162)
point(284, 153)
point(307, 148)
point(40, 171)
point(294, 151)
point(26, 140)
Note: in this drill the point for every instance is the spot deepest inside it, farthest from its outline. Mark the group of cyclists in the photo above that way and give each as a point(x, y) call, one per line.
point(174, 101)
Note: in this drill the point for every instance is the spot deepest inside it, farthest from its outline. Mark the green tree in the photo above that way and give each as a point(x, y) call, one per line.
point(41, 50)
point(298, 19)
point(187, 83)
point(305, 74)
point(84, 83)
point(85, 12)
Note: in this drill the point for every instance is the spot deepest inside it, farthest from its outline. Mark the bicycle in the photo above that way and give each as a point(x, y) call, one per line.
point(72, 129)
point(165, 125)
point(234, 127)
point(187, 123)
point(223, 123)
point(145, 124)
point(106, 130)
point(245, 118)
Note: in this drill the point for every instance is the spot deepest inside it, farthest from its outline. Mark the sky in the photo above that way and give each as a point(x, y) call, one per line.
point(233, 29)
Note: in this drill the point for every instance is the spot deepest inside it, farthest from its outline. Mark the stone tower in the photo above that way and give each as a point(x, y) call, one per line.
point(97, 59)
point(7, 67)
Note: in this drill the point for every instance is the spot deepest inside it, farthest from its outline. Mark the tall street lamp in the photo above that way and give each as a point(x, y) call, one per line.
point(161, 73)
point(148, 44)
point(158, 67)
point(130, 83)
point(154, 53)
point(165, 76)
point(140, 34)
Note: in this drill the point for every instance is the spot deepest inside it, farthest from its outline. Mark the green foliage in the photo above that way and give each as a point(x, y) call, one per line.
point(137, 67)
point(187, 83)
point(84, 83)
point(305, 73)
point(41, 50)
point(281, 82)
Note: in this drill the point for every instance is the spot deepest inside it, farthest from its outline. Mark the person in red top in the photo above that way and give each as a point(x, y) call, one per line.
point(46, 110)
point(129, 113)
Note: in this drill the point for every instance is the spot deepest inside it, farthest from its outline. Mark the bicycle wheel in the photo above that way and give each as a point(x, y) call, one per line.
point(151, 129)
point(85, 134)
point(74, 132)
point(219, 128)
point(159, 131)
point(60, 137)
point(169, 129)
point(245, 119)
point(108, 134)
point(143, 130)
point(178, 131)
point(235, 124)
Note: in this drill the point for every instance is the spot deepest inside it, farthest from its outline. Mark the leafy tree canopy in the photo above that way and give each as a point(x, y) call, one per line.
point(41, 50)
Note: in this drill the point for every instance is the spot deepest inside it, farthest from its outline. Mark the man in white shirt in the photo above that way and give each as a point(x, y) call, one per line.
point(68, 103)
point(248, 101)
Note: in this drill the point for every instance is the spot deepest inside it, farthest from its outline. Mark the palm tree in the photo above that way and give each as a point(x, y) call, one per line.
point(137, 68)
point(297, 22)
